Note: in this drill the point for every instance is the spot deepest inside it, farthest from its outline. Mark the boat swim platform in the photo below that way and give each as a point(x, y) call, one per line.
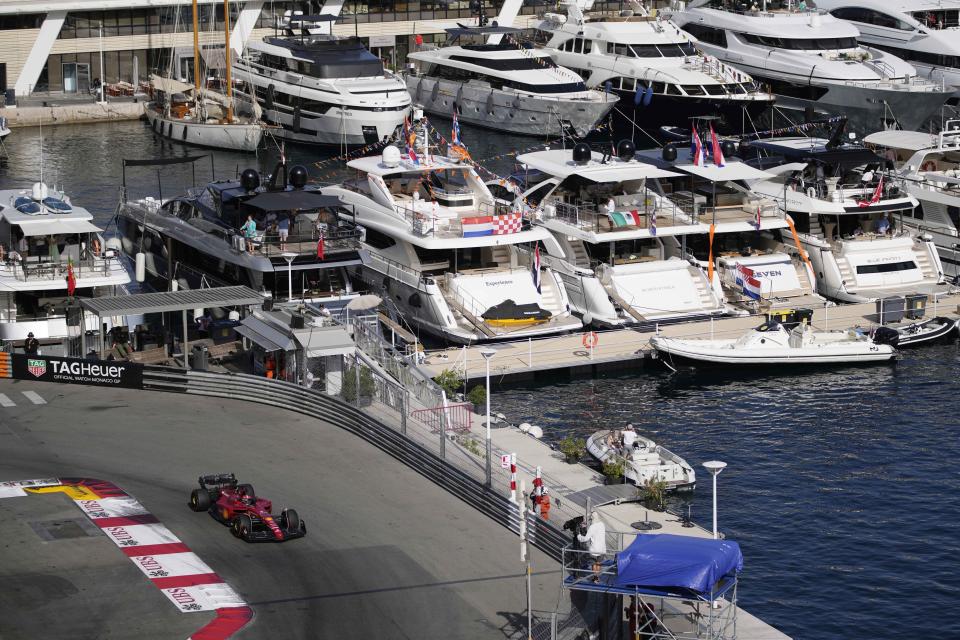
point(628, 348)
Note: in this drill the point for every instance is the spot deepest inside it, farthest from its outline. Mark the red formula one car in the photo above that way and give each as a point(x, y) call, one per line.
point(250, 518)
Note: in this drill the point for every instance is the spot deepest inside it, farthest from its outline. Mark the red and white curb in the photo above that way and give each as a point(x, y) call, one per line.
point(186, 580)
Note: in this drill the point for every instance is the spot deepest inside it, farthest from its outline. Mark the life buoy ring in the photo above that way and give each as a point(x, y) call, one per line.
point(929, 165)
point(591, 340)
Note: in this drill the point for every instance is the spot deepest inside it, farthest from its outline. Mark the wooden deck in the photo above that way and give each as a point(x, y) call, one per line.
point(626, 348)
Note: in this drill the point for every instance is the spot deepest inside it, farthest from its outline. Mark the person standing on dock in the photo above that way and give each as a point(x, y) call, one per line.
point(595, 539)
point(31, 346)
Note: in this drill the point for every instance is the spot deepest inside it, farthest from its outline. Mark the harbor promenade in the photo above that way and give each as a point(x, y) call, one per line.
point(570, 484)
point(51, 113)
point(626, 349)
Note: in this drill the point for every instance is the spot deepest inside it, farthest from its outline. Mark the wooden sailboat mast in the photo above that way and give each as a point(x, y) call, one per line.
point(226, 55)
point(196, 49)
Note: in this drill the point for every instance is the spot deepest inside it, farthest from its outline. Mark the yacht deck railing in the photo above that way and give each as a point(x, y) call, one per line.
point(38, 268)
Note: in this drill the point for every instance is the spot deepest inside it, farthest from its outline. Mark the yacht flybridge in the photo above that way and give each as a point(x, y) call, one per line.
point(505, 85)
point(203, 238)
point(45, 242)
point(811, 59)
point(925, 33)
point(849, 217)
point(655, 69)
point(447, 257)
point(322, 89)
point(928, 168)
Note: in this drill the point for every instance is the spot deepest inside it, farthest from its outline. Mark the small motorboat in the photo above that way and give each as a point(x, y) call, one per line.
point(773, 344)
point(915, 333)
point(647, 461)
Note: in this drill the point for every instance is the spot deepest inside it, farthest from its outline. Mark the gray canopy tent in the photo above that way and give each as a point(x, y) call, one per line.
point(162, 302)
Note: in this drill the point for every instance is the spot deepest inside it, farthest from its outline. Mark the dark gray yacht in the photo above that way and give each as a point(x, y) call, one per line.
point(283, 238)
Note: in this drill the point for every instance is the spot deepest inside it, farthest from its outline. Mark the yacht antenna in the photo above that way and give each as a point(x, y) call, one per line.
point(41, 149)
point(226, 53)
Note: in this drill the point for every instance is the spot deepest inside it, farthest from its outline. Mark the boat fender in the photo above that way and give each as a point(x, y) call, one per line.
point(435, 92)
point(271, 92)
point(490, 103)
point(929, 165)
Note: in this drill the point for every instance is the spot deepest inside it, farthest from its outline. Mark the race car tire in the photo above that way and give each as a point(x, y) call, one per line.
point(199, 500)
point(291, 520)
point(242, 527)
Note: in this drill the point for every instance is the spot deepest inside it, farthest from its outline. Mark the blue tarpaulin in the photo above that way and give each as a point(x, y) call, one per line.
point(677, 562)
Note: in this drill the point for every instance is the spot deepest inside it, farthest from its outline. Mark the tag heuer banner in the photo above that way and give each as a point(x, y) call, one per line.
point(76, 371)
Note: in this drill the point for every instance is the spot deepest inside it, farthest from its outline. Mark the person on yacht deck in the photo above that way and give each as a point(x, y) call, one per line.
point(629, 439)
point(882, 225)
point(249, 231)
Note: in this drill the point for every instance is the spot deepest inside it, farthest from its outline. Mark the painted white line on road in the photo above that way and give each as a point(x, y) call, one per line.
point(6, 402)
point(34, 397)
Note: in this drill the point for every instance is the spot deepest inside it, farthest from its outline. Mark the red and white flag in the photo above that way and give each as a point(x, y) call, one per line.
point(696, 148)
point(877, 194)
point(717, 151)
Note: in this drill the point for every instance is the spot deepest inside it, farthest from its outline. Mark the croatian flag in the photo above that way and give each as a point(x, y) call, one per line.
point(750, 285)
point(696, 148)
point(536, 267)
point(477, 226)
point(717, 151)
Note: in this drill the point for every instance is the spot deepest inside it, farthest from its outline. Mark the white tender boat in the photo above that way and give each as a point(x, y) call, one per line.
point(912, 334)
point(648, 461)
point(773, 344)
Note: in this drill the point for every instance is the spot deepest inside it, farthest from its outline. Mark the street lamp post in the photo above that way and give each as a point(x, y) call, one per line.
point(715, 467)
point(487, 354)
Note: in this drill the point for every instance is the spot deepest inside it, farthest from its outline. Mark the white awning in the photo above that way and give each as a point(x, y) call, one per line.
point(169, 85)
point(265, 335)
point(57, 227)
point(559, 163)
point(906, 140)
point(729, 171)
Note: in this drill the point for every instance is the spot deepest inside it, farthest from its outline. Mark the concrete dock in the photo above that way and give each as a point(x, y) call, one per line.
point(72, 113)
point(626, 349)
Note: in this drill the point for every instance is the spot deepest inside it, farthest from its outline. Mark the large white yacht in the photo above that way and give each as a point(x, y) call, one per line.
point(925, 33)
point(654, 67)
point(849, 218)
point(811, 59)
point(322, 89)
point(628, 233)
point(928, 167)
point(45, 237)
point(504, 85)
point(448, 259)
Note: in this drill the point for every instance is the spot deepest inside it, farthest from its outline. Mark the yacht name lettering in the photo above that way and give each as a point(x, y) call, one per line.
point(86, 369)
point(884, 259)
point(497, 283)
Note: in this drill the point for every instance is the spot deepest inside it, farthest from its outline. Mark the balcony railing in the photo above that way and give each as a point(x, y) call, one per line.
point(271, 246)
point(33, 269)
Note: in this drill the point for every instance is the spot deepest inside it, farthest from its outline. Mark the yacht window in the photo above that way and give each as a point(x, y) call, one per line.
point(508, 64)
point(801, 44)
point(938, 18)
point(619, 49)
point(673, 51)
point(954, 213)
point(715, 89)
point(734, 88)
point(535, 196)
point(693, 90)
point(889, 267)
point(922, 57)
point(673, 90)
point(628, 84)
point(378, 240)
point(659, 87)
point(704, 33)
point(869, 16)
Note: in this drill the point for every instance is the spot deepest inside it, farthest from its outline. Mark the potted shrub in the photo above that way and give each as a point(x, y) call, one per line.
point(654, 494)
point(367, 385)
point(450, 381)
point(478, 398)
point(573, 449)
point(613, 468)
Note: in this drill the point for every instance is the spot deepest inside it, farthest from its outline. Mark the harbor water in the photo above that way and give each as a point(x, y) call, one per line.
point(842, 486)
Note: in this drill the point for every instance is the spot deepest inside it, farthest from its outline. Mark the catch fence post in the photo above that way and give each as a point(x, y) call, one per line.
point(443, 426)
point(530, 353)
point(404, 407)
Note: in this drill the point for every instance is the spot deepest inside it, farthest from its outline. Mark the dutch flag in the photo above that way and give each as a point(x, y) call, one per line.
point(477, 226)
point(696, 148)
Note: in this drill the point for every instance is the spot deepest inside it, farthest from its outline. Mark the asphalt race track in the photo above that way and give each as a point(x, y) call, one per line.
point(387, 553)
